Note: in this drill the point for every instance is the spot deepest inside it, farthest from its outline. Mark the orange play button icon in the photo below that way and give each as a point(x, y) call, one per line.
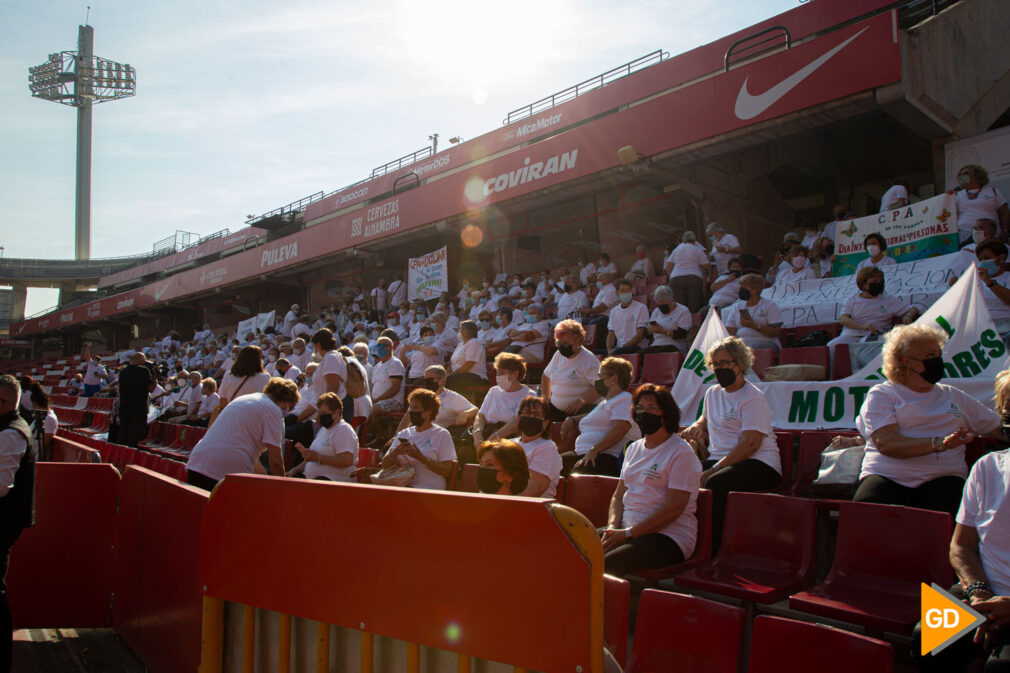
point(944, 619)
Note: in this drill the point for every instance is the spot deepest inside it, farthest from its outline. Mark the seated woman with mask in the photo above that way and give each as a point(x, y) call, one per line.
point(424, 445)
point(331, 454)
point(541, 453)
point(503, 468)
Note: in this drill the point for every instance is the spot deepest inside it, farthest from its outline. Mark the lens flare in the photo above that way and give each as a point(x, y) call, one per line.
point(471, 236)
point(474, 190)
point(453, 632)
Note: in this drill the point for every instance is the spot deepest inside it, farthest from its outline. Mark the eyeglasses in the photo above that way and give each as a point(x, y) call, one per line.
point(723, 364)
point(650, 409)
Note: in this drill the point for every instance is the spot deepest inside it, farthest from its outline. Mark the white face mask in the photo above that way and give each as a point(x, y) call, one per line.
point(977, 235)
point(874, 250)
point(799, 262)
point(502, 380)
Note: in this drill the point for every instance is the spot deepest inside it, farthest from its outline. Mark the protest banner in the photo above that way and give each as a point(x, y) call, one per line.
point(427, 275)
point(916, 231)
point(263, 320)
point(919, 283)
point(244, 327)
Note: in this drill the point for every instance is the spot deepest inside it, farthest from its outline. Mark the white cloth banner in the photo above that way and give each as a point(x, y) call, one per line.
point(244, 327)
point(428, 275)
point(265, 319)
point(972, 357)
point(815, 302)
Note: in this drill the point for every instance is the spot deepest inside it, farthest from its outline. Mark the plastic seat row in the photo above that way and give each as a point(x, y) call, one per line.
point(172, 438)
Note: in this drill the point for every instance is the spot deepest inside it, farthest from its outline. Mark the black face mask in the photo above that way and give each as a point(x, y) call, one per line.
point(875, 289)
point(326, 420)
point(725, 376)
point(566, 350)
point(568, 288)
point(428, 384)
point(531, 425)
point(663, 308)
point(648, 423)
point(416, 418)
point(487, 480)
point(735, 272)
point(600, 387)
point(829, 249)
point(744, 293)
point(932, 369)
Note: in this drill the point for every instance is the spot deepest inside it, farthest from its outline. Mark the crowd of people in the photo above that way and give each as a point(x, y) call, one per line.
point(432, 382)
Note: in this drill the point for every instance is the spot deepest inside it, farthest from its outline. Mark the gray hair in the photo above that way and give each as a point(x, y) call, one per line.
point(714, 226)
point(538, 308)
point(688, 237)
point(663, 294)
point(437, 370)
point(438, 317)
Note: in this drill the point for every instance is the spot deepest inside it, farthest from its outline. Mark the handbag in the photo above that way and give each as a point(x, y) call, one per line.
point(838, 475)
point(221, 405)
point(395, 475)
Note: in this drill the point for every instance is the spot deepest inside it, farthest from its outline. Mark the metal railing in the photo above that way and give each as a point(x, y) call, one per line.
point(292, 207)
point(405, 160)
point(588, 85)
point(746, 47)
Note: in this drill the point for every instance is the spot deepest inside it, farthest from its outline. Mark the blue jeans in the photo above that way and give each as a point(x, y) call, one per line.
point(90, 390)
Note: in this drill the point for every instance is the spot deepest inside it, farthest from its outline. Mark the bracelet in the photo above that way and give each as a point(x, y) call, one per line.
point(936, 444)
point(976, 587)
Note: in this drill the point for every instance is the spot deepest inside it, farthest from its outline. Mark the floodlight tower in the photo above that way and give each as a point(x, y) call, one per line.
point(80, 79)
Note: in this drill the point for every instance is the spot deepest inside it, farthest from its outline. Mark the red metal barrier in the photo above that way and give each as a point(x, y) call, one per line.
point(68, 451)
point(61, 569)
point(158, 603)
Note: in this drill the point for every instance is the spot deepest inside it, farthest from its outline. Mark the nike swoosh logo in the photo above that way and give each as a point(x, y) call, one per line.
point(749, 106)
point(158, 293)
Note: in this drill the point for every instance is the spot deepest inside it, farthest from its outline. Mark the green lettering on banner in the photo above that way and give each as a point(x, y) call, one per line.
point(965, 364)
point(803, 408)
point(834, 404)
point(980, 356)
point(942, 322)
point(990, 339)
point(858, 394)
point(693, 360)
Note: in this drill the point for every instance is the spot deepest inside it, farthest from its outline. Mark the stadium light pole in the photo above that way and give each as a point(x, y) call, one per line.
point(80, 79)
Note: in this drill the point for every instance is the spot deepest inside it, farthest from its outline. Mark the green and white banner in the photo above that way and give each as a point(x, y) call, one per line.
point(917, 231)
point(815, 302)
point(973, 357)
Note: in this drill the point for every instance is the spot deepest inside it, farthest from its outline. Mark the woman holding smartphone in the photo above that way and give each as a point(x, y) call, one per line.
point(753, 318)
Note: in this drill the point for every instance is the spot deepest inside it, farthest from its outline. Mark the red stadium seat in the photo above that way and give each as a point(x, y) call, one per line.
point(762, 559)
point(368, 457)
point(636, 360)
point(155, 432)
point(832, 328)
point(813, 355)
point(562, 490)
point(883, 553)
point(676, 633)
point(590, 494)
point(842, 367)
point(702, 548)
point(145, 459)
point(468, 478)
point(763, 359)
point(661, 368)
point(177, 470)
point(563, 446)
point(779, 644)
point(115, 455)
point(616, 611)
point(784, 438)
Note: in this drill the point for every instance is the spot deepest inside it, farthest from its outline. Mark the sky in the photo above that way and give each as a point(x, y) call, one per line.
point(243, 107)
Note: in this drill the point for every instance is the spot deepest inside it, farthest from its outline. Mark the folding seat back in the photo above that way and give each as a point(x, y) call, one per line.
point(368, 457)
point(180, 441)
point(635, 359)
point(772, 532)
point(468, 478)
point(193, 436)
point(763, 359)
point(145, 459)
point(564, 445)
point(780, 644)
point(661, 368)
point(842, 367)
point(561, 492)
point(590, 494)
point(811, 355)
point(677, 633)
point(785, 440)
point(616, 614)
point(177, 469)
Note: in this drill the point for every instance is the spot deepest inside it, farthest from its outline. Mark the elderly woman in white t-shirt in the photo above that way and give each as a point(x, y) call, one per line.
point(603, 433)
point(424, 445)
point(652, 522)
point(501, 405)
point(743, 454)
point(726, 288)
point(530, 338)
point(753, 318)
point(978, 200)
point(798, 267)
point(541, 453)
point(916, 428)
point(468, 363)
point(687, 267)
point(668, 323)
point(332, 452)
point(875, 246)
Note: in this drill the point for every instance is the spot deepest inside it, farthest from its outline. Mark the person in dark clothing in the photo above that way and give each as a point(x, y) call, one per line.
point(135, 383)
point(17, 497)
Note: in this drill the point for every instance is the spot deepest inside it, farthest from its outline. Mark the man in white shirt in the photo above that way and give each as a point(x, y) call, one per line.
point(191, 399)
point(530, 339)
point(586, 270)
point(627, 322)
point(606, 266)
point(724, 246)
point(287, 370)
point(393, 323)
point(300, 355)
point(397, 290)
point(895, 197)
point(379, 297)
point(606, 299)
point(290, 317)
point(387, 380)
point(573, 301)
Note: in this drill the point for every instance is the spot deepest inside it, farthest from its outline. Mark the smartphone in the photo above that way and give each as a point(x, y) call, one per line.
point(745, 313)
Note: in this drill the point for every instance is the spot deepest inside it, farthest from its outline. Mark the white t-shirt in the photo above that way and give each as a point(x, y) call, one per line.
point(445, 342)
point(500, 406)
point(879, 311)
point(884, 262)
point(95, 374)
point(998, 309)
point(726, 294)
point(382, 375)
point(936, 413)
point(728, 241)
point(984, 507)
point(535, 348)
point(625, 321)
point(687, 260)
point(307, 399)
point(332, 363)
point(208, 403)
point(765, 312)
point(470, 351)
point(810, 240)
point(436, 444)
point(679, 317)
point(570, 302)
point(231, 384)
point(792, 276)
point(601, 419)
point(543, 458)
point(50, 423)
point(234, 443)
point(571, 378)
point(379, 297)
point(649, 473)
point(982, 207)
point(889, 201)
point(610, 268)
point(419, 361)
point(397, 291)
point(607, 296)
point(452, 405)
point(587, 271)
point(730, 414)
point(332, 441)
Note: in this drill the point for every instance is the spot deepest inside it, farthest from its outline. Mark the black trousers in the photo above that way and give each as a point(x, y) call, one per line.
point(461, 382)
point(300, 433)
point(959, 655)
point(942, 494)
point(556, 415)
point(132, 429)
point(200, 480)
point(749, 475)
point(7, 540)
point(605, 465)
point(654, 550)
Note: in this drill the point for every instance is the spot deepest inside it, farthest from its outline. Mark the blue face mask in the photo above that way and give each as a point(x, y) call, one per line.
point(381, 350)
point(428, 340)
point(484, 324)
point(599, 284)
point(530, 318)
point(989, 266)
point(625, 297)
